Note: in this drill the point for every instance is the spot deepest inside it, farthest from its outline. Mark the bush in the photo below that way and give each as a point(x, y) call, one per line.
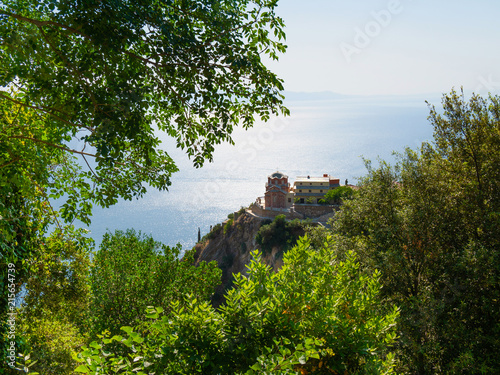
point(279, 233)
point(132, 271)
point(52, 343)
point(228, 225)
point(338, 194)
point(315, 315)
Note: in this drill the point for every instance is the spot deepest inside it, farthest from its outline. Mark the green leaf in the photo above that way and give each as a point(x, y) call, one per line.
point(82, 368)
point(127, 329)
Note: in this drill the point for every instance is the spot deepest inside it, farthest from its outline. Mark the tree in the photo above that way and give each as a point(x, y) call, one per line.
point(30, 174)
point(279, 232)
point(132, 271)
point(430, 225)
point(337, 195)
point(98, 80)
point(315, 315)
point(109, 73)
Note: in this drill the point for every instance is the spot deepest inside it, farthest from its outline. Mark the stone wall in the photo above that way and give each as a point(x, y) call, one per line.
point(314, 211)
point(298, 211)
point(271, 214)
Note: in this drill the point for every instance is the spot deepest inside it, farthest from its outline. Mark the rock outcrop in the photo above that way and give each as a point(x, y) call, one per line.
point(230, 245)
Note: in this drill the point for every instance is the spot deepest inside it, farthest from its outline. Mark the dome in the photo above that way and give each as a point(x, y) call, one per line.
point(277, 175)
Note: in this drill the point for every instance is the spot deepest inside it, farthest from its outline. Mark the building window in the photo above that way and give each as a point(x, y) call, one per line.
point(300, 191)
point(321, 191)
point(310, 183)
point(289, 200)
point(309, 191)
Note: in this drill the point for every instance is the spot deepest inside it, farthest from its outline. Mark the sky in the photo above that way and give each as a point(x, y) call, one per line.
point(390, 47)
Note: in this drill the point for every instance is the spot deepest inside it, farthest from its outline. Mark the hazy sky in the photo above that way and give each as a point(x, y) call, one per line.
point(390, 46)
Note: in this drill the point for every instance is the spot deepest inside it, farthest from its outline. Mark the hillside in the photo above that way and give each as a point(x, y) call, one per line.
point(230, 244)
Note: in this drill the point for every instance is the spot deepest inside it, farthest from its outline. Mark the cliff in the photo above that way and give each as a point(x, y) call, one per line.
point(230, 244)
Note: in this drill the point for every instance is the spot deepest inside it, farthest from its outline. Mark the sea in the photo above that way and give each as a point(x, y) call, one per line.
point(325, 133)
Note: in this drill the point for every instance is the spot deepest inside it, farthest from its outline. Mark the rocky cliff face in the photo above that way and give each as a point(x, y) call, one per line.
point(230, 245)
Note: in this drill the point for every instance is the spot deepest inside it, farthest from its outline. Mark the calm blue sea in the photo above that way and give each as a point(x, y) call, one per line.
point(326, 133)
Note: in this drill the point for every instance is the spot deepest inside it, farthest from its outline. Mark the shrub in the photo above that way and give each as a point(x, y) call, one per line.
point(228, 225)
point(338, 194)
point(279, 233)
point(132, 271)
point(53, 343)
point(315, 315)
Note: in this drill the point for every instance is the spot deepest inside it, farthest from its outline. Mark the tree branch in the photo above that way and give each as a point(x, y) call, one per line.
point(10, 162)
point(44, 23)
point(56, 146)
point(46, 110)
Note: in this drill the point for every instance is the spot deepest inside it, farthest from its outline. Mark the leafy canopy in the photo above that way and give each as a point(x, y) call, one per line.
point(337, 195)
point(431, 224)
point(109, 73)
point(279, 232)
point(132, 271)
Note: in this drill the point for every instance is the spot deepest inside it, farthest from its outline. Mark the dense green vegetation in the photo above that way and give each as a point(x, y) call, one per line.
point(406, 280)
point(280, 232)
point(70, 303)
point(132, 271)
point(316, 315)
point(337, 195)
point(98, 80)
point(431, 225)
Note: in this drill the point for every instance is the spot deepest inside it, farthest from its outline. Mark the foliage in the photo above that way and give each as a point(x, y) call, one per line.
point(213, 233)
point(279, 232)
point(430, 225)
point(58, 281)
point(339, 194)
point(98, 80)
point(132, 271)
point(53, 343)
point(31, 174)
point(107, 74)
point(316, 315)
point(228, 225)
